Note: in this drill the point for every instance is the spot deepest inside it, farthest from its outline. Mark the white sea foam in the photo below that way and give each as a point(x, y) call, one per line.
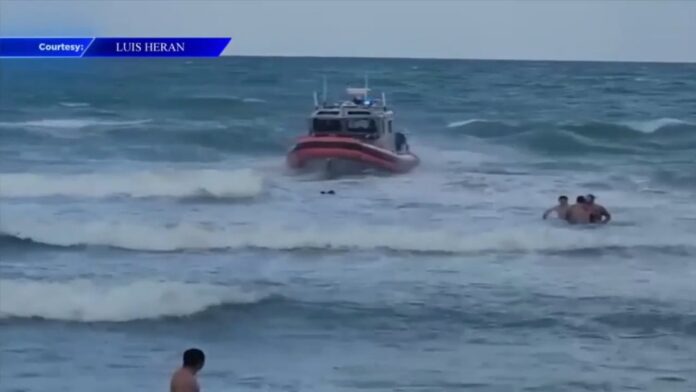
point(83, 300)
point(71, 123)
point(228, 97)
point(646, 126)
point(651, 126)
point(457, 124)
point(74, 104)
point(240, 183)
point(189, 236)
point(253, 100)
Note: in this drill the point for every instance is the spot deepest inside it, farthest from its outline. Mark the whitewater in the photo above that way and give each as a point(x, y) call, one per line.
point(138, 219)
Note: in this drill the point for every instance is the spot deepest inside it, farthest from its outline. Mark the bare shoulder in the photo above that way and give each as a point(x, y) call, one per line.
point(183, 381)
point(179, 374)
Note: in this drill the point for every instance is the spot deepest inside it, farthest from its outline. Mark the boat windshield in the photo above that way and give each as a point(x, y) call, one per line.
point(326, 125)
point(361, 125)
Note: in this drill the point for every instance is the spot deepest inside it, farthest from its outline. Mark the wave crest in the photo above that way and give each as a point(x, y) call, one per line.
point(242, 183)
point(652, 126)
point(187, 236)
point(584, 137)
point(72, 123)
point(87, 301)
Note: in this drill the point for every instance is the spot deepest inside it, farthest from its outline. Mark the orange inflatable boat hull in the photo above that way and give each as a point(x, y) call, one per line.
point(312, 148)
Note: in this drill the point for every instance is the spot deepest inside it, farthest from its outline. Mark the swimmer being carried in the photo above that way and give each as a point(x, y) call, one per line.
point(598, 214)
point(579, 212)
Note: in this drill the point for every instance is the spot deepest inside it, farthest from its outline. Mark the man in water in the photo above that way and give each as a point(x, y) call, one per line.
point(560, 209)
point(578, 212)
point(598, 214)
point(184, 379)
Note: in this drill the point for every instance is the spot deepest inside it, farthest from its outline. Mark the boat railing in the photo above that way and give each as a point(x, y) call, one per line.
point(359, 96)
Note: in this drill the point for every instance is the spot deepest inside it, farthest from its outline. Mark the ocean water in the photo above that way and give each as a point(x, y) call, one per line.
point(145, 208)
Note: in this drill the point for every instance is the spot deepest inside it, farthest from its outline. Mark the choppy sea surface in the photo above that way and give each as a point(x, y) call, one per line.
point(145, 208)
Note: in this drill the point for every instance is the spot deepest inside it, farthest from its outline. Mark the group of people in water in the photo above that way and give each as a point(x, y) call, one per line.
point(584, 211)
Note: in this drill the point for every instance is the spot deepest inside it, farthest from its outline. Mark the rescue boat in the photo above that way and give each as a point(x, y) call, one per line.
point(352, 136)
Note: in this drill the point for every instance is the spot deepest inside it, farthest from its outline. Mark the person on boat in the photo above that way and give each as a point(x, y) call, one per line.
point(400, 142)
point(559, 209)
point(578, 213)
point(184, 379)
point(598, 214)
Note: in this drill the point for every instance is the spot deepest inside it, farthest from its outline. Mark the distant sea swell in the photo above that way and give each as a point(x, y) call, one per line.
point(573, 138)
point(151, 300)
point(253, 135)
point(229, 135)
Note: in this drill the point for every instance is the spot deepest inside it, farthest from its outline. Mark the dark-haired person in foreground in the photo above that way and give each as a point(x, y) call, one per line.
point(598, 214)
point(579, 212)
point(560, 209)
point(184, 379)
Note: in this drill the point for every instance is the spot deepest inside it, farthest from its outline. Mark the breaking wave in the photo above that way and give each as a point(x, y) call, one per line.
point(241, 183)
point(72, 123)
point(574, 138)
point(463, 123)
point(74, 104)
point(188, 236)
point(647, 126)
point(88, 301)
point(218, 98)
point(652, 126)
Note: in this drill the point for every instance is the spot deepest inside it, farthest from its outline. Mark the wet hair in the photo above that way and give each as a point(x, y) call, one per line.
point(193, 358)
point(581, 199)
point(590, 197)
point(562, 197)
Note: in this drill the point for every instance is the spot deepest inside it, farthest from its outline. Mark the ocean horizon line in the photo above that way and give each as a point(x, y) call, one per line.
point(483, 59)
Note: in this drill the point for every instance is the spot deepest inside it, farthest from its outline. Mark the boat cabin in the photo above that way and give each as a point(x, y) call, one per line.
point(359, 117)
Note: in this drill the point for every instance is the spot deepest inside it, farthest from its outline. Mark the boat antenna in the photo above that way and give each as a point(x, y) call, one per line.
point(366, 85)
point(324, 77)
